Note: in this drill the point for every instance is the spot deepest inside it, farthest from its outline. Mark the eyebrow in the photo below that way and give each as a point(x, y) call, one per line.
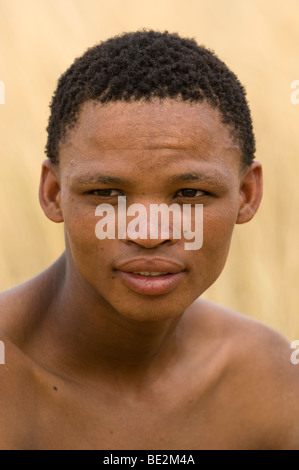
point(180, 178)
point(199, 177)
point(101, 179)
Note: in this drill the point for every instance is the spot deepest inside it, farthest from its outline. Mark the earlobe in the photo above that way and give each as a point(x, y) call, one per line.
point(49, 192)
point(251, 190)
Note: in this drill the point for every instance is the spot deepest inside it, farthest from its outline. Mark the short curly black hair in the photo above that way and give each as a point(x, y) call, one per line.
point(145, 65)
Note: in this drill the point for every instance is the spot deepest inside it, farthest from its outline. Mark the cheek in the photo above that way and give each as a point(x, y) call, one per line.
point(86, 249)
point(90, 256)
point(218, 229)
point(217, 232)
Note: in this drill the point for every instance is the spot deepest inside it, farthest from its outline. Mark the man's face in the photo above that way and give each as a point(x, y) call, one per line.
point(152, 153)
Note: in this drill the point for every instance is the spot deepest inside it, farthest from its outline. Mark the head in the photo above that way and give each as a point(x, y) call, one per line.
point(158, 119)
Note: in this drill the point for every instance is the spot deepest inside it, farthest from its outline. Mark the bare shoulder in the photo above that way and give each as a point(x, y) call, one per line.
point(14, 369)
point(21, 308)
point(243, 335)
point(16, 377)
point(260, 377)
point(246, 335)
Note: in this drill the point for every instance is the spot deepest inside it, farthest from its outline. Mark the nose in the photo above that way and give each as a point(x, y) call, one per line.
point(149, 228)
point(148, 242)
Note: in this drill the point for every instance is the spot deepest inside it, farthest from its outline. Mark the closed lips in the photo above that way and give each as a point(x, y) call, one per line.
point(145, 273)
point(148, 277)
point(151, 267)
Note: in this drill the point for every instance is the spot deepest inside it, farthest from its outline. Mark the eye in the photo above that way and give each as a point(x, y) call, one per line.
point(105, 192)
point(189, 192)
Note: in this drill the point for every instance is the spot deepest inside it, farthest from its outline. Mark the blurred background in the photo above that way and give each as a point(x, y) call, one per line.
point(259, 41)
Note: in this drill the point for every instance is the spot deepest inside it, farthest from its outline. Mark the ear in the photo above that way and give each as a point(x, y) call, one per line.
point(251, 191)
point(49, 191)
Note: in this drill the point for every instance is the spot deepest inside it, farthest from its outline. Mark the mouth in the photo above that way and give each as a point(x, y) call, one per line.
point(151, 276)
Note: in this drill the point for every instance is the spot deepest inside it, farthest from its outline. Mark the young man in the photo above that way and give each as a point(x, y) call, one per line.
point(111, 347)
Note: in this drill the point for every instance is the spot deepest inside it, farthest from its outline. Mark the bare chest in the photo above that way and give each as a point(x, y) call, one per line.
point(171, 420)
point(90, 422)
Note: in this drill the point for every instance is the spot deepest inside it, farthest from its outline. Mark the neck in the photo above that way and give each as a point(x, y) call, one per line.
point(88, 336)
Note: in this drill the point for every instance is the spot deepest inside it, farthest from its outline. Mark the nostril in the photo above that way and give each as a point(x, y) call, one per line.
point(149, 243)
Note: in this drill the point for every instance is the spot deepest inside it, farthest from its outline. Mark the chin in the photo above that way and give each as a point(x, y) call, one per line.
point(153, 309)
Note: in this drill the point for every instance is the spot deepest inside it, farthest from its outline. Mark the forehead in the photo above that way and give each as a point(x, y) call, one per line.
point(140, 132)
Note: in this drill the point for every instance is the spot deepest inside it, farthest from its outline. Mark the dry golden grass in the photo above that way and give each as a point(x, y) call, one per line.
point(258, 39)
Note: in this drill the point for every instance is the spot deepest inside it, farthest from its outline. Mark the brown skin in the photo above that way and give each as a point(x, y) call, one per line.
point(90, 363)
